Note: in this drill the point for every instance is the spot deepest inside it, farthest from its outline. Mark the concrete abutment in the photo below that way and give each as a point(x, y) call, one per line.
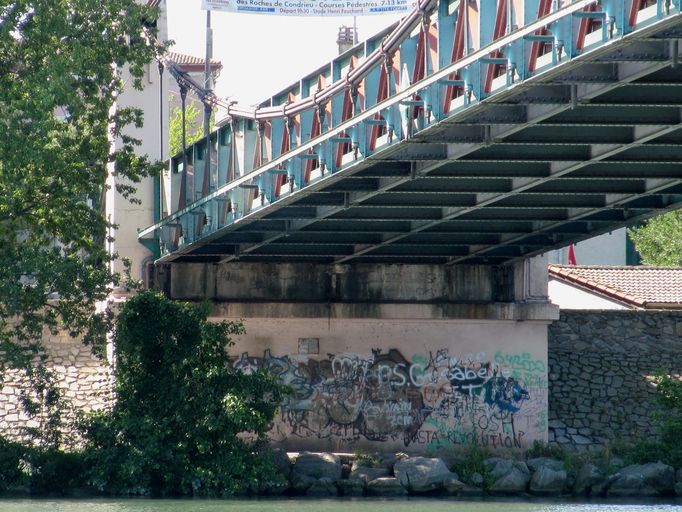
point(417, 358)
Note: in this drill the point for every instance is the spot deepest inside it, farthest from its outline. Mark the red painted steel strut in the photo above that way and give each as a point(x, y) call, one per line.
point(346, 113)
point(452, 91)
point(315, 130)
point(499, 30)
point(382, 93)
point(536, 46)
point(636, 6)
point(587, 25)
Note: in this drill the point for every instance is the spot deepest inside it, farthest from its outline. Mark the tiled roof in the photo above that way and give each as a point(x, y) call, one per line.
point(644, 287)
point(192, 63)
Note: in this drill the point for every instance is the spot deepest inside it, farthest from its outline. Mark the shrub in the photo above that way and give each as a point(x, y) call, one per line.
point(669, 419)
point(54, 472)
point(471, 462)
point(182, 411)
point(11, 474)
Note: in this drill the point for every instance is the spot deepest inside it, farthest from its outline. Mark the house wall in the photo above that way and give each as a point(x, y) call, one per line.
point(130, 217)
point(567, 296)
point(601, 365)
point(607, 249)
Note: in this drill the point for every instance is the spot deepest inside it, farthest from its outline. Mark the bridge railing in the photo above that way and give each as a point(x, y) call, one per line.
point(438, 61)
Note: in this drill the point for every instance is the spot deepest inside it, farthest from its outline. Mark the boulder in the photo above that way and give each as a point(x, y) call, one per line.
point(388, 460)
point(509, 476)
point(476, 479)
point(616, 462)
point(386, 486)
point(317, 465)
point(653, 479)
point(281, 460)
point(588, 477)
point(273, 487)
point(678, 488)
point(421, 474)
point(547, 481)
point(660, 476)
point(471, 491)
point(301, 483)
point(366, 474)
point(539, 462)
point(350, 487)
point(453, 487)
point(322, 487)
point(627, 486)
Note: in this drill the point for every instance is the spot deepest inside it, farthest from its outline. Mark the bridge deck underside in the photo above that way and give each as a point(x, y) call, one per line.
point(585, 148)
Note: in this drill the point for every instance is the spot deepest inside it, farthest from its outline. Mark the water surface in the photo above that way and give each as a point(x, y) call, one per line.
point(336, 505)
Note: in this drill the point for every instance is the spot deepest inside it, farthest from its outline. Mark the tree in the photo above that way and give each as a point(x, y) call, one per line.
point(61, 69)
point(181, 406)
point(194, 130)
point(659, 240)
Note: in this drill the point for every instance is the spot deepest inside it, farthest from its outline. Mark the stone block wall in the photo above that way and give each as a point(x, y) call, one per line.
point(600, 368)
point(85, 381)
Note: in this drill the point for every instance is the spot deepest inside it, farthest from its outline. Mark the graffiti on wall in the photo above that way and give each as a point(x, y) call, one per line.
point(435, 399)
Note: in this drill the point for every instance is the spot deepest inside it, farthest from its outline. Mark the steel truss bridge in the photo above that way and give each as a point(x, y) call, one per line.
point(472, 132)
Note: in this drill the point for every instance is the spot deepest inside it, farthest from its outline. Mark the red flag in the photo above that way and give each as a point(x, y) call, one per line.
point(571, 255)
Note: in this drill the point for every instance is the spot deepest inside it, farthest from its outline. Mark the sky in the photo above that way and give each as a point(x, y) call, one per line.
point(261, 54)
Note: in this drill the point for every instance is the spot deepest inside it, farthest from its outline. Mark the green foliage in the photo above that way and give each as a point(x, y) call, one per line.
point(194, 129)
point(182, 410)
point(659, 240)
point(667, 447)
point(11, 474)
point(366, 460)
point(39, 470)
point(61, 69)
point(670, 418)
point(42, 399)
point(540, 449)
point(642, 452)
point(53, 471)
point(470, 462)
point(572, 461)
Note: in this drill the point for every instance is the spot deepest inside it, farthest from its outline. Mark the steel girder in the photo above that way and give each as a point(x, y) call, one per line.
point(525, 161)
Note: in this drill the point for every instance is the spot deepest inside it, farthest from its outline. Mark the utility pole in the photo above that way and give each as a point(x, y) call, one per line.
point(208, 85)
point(208, 79)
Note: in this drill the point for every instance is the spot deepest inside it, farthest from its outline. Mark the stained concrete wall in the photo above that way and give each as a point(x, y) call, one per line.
point(411, 385)
point(296, 282)
point(418, 358)
point(601, 365)
point(364, 290)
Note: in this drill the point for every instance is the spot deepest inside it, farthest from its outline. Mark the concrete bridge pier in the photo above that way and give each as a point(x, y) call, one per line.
point(417, 358)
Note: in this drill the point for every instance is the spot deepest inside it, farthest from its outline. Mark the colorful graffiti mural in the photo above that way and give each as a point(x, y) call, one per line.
point(434, 400)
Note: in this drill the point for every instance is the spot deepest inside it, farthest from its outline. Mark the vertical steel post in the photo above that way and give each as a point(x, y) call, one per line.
point(208, 86)
point(183, 183)
point(157, 179)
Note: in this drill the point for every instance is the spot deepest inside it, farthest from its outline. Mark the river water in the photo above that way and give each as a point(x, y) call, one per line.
point(357, 505)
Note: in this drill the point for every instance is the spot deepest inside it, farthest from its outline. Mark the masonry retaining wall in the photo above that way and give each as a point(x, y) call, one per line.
point(600, 369)
point(85, 382)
